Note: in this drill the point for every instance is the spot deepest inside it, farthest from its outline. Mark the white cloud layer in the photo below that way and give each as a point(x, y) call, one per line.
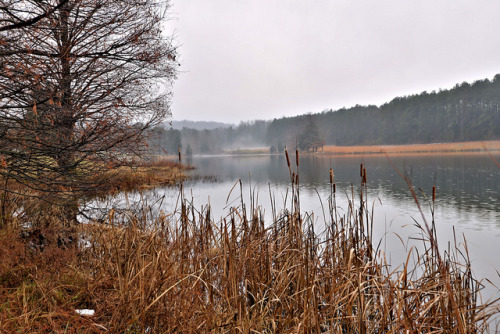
point(260, 59)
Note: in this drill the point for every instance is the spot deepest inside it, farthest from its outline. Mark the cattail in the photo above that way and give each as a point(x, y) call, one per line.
point(361, 170)
point(297, 178)
point(364, 175)
point(334, 188)
point(293, 178)
point(180, 157)
point(433, 193)
point(331, 176)
point(297, 157)
point(287, 158)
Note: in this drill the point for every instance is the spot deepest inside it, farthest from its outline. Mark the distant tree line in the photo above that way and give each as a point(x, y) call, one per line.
point(467, 112)
point(163, 141)
point(194, 141)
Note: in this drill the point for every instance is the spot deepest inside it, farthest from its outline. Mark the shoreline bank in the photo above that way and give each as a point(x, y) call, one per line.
point(436, 148)
point(492, 146)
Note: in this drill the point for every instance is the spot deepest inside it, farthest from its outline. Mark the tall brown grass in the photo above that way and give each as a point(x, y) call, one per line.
point(192, 274)
point(154, 173)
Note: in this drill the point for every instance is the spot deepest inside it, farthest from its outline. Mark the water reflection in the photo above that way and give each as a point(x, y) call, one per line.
point(468, 183)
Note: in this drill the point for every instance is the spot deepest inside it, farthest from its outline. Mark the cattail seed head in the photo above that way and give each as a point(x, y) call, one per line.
point(293, 178)
point(297, 157)
point(334, 188)
point(364, 175)
point(433, 193)
point(180, 157)
point(361, 170)
point(331, 176)
point(287, 158)
point(297, 178)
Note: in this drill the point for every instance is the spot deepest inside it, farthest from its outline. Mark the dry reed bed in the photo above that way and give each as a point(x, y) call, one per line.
point(461, 147)
point(160, 172)
point(238, 275)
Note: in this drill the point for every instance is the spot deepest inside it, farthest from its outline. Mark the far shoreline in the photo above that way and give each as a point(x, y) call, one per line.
point(492, 147)
point(470, 147)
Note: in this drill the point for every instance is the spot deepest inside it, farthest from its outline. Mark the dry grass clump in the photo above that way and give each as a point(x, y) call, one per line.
point(157, 172)
point(40, 291)
point(237, 275)
point(21, 205)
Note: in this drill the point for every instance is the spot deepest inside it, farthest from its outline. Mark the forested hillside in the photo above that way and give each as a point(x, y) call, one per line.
point(467, 112)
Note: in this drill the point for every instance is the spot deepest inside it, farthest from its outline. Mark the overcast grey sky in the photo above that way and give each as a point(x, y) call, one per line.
point(261, 59)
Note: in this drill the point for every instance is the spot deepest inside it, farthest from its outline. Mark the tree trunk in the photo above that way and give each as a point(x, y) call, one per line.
point(65, 121)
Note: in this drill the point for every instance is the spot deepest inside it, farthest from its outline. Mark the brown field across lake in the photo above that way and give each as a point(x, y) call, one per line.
point(461, 147)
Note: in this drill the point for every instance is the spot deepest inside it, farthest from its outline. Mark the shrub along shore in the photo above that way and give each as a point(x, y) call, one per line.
point(188, 273)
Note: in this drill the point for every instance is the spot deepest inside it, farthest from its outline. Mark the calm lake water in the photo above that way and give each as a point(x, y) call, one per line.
point(467, 201)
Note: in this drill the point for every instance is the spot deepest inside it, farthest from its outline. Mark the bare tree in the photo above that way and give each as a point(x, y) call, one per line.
point(16, 14)
point(78, 88)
